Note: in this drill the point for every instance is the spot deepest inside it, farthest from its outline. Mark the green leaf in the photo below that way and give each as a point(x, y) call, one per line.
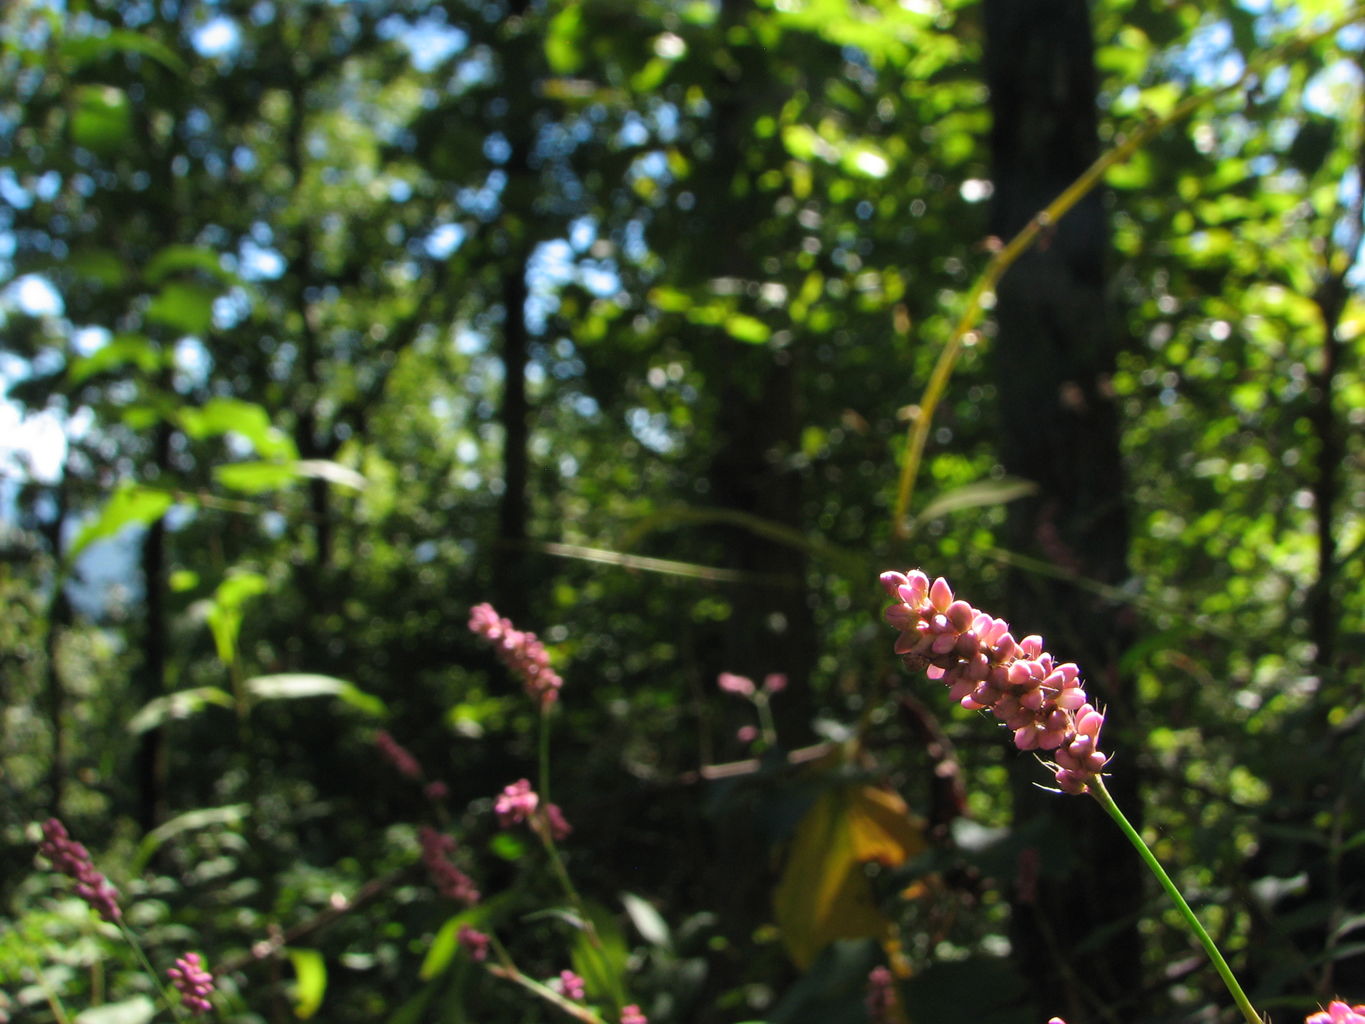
point(130, 505)
point(310, 984)
point(102, 119)
point(175, 259)
point(746, 328)
point(292, 685)
point(204, 817)
point(79, 50)
point(976, 495)
point(120, 350)
point(183, 307)
point(137, 1010)
point(648, 921)
point(601, 965)
point(226, 609)
point(180, 704)
point(443, 948)
point(256, 477)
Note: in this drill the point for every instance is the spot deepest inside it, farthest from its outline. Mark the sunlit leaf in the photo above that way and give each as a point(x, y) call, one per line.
point(823, 894)
point(602, 964)
point(310, 981)
point(136, 1010)
point(648, 921)
point(249, 420)
point(130, 505)
point(293, 685)
point(102, 119)
point(190, 821)
point(981, 493)
point(180, 704)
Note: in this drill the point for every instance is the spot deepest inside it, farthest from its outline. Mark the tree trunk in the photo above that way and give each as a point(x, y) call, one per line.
point(1054, 355)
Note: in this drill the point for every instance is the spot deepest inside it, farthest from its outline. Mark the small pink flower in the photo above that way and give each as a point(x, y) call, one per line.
point(1056, 1020)
point(571, 986)
point(436, 791)
point(746, 733)
point(475, 943)
point(1338, 1012)
point(515, 803)
point(774, 682)
point(72, 859)
point(522, 653)
point(631, 1015)
point(193, 982)
point(740, 686)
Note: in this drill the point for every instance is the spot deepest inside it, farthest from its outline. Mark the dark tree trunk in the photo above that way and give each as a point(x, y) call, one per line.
point(151, 753)
point(1054, 355)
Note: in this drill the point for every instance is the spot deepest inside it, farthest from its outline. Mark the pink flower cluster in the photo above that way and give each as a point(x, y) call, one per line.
point(1338, 1013)
point(71, 858)
point(519, 803)
point(473, 942)
point(521, 652)
point(631, 1014)
point(983, 666)
point(571, 986)
point(193, 982)
point(449, 880)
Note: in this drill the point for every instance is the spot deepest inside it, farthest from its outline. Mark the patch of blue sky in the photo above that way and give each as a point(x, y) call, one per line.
point(443, 241)
point(217, 37)
point(429, 41)
point(33, 295)
point(259, 263)
point(582, 233)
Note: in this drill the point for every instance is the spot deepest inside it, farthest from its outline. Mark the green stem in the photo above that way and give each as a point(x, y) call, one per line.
point(543, 782)
point(172, 1002)
point(508, 969)
point(1096, 788)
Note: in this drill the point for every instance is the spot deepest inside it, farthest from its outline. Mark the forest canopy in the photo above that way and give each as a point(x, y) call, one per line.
point(404, 401)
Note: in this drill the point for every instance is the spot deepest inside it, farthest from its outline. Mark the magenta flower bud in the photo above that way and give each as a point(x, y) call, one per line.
point(960, 614)
point(73, 860)
point(1338, 1013)
point(892, 582)
point(630, 1014)
point(940, 594)
point(1031, 645)
point(515, 803)
point(522, 653)
point(1072, 699)
point(943, 644)
point(1026, 737)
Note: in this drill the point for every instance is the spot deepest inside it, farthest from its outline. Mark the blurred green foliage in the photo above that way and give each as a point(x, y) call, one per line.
point(260, 256)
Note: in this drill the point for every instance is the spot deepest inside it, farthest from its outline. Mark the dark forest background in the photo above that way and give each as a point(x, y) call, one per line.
point(328, 321)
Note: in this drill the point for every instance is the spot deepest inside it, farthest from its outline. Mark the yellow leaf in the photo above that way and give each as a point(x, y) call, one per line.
point(823, 894)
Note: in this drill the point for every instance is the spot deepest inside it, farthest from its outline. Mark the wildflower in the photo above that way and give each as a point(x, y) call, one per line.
point(1338, 1013)
point(1041, 701)
point(522, 653)
point(746, 733)
point(881, 996)
point(398, 756)
point(774, 682)
point(740, 686)
point(631, 1015)
point(516, 803)
point(71, 858)
point(519, 803)
point(571, 986)
point(449, 880)
point(473, 942)
point(436, 791)
point(193, 982)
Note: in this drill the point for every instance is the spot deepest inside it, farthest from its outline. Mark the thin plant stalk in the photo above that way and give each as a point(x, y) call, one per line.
point(1096, 788)
point(1045, 219)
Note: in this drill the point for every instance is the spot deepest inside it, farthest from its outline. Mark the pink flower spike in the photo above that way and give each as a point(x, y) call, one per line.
point(1338, 1012)
point(630, 1014)
point(522, 653)
point(740, 686)
point(559, 827)
point(397, 755)
point(72, 859)
point(193, 982)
